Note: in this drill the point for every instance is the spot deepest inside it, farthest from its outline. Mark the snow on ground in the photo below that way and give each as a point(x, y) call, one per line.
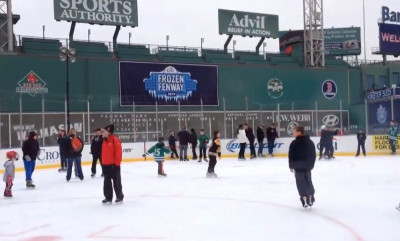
point(251, 200)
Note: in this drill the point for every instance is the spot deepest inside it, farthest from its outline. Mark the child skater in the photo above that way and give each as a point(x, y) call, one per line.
point(214, 150)
point(9, 172)
point(159, 150)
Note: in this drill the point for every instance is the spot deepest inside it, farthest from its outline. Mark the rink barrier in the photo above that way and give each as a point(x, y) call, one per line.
point(131, 152)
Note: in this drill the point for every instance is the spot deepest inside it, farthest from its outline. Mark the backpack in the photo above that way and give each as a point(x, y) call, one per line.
point(76, 144)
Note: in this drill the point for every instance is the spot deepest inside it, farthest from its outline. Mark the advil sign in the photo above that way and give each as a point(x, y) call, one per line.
point(104, 12)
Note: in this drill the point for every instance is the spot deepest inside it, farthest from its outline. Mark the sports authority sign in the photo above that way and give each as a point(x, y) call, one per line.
point(32, 84)
point(103, 12)
point(248, 24)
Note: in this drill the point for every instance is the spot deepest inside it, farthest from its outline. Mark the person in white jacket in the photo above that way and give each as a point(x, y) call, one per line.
point(242, 139)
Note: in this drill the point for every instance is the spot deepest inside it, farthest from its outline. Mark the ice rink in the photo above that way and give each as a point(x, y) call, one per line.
point(251, 200)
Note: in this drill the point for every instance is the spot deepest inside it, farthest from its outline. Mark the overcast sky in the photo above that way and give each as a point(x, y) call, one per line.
point(187, 21)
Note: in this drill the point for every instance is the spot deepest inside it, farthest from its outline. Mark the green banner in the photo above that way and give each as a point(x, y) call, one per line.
point(248, 24)
point(342, 41)
point(103, 12)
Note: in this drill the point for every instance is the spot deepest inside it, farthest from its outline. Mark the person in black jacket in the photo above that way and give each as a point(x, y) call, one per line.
point(301, 161)
point(271, 136)
point(260, 139)
point(326, 142)
point(193, 142)
point(361, 137)
point(95, 149)
point(62, 143)
point(73, 156)
point(251, 137)
point(183, 137)
point(213, 152)
point(172, 145)
point(30, 150)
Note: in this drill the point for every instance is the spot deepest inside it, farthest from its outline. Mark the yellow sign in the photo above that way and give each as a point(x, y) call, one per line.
point(381, 143)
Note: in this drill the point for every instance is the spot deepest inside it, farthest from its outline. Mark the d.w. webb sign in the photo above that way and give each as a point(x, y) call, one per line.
point(103, 12)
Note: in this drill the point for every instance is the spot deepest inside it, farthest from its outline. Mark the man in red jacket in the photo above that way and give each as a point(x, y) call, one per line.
point(111, 154)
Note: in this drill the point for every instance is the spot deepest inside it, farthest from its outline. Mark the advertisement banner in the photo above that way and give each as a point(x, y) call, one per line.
point(379, 115)
point(338, 41)
point(389, 39)
point(122, 12)
point(381, 143)
point(248, 24)
point(144, 83)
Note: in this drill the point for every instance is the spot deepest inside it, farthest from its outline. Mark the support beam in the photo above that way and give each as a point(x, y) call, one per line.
point(72, 31)
point(115, 47)
point(259, 45)
point(227, 42)
point(314, 50)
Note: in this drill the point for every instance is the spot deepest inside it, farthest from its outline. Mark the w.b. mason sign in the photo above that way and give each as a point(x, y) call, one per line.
point(103, 12)
point(248, 24)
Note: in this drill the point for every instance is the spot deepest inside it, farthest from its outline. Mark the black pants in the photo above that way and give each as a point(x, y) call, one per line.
point(271, 144)
point(304, 183)
point(252, 149)
point(329, 149)
point(362, 145)
point(194, 157)
point(393, 145)
point(160, 167)
point(242, 149)
point(322, 146)
point(173, 151)
point(63, 161)
point(94, 162)
point(112, 172)
point(203, 153)
point(212, 163)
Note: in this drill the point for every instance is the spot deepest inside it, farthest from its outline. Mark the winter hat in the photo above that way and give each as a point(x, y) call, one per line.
point(323, 127)
point(32, 134)
point(192, 130)
point(160, 139)
point(110, 128)
point(11, 154)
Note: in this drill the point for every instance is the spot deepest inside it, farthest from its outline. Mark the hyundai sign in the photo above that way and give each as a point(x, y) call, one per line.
point(389, 39)
point(103, 12)
point(248, 24)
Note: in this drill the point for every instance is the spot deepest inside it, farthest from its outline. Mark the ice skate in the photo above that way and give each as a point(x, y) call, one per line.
point(303, 202)
point(93, 174)
point(29, 184)
point(205, 160)
point(119, 201)
point(106, 202)
point(211, 175)
point(62, 170)
point(199, 160)
point(162, 175)
point(310, 200)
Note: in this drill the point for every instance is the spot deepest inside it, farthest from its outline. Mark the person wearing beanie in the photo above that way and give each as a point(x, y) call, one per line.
point(62, 144)
point(172, 145)
point(272, 134)
point(159, 151)
point(193, 142)
point(203, 140)
point(95, 149)
point(9, 172)
point(74, 155)
point(260, 140)
point(361, 137)
point(213, 152)
point(111, 156)
point(326, 142)
point(184, 138)
point(30, 150)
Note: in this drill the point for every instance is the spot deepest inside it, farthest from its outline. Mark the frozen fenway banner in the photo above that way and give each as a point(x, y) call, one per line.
point(389, 39)
point(168, 84)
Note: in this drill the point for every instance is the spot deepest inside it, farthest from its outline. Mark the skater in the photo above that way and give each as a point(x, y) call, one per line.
point(62, 143)
point(250, 136)
point(111, 155)
point(213, 152)
point(271, 137)
point(30, 150)
point(74, 154)
point(159, 150)
point(183, 137)
point(301, 162)
point(326, 142)
point(172, 145)
point(193, 142)
point(242, 139)
point(361, 137)
point(203, 141)
point(393, 132)
point(260, 140)
point(9, 172)
point(95, 149)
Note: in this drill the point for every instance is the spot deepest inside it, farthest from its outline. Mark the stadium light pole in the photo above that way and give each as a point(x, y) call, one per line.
point(264, 45)
point(88, 35)
point(234, 43)
point(201, 43)
point(130, 35)
point(67, 55)
point(167, 37)
point(43, 29)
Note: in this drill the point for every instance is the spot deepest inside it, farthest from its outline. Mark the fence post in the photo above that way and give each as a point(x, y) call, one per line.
point(279, 120)
point(156, 120)
point(247, 109)
point(65, 114)
point(366, 116)
point(9, 131)
point(134, 121)
point(179, 115)
point(316, 116)
point(20, 119)
point(1, 123)
point(341, 117)
point(88, 119)
point(43, 122)
point(224, 106)
point(202, 113)
point(147, 129)
point(111, 110)
point(261, 122)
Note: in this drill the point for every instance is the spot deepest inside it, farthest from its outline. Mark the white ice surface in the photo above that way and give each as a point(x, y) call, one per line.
point(251, 200)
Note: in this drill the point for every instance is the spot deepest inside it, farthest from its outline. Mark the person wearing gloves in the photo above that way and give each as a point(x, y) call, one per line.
point(260, 140)
point(242, 139)
point(30, 150)
point(9, 172)
point(393, 132)
point(159, 151)
point(203, 141)
point(111, 156)
point(361, 137)
point(213, 152)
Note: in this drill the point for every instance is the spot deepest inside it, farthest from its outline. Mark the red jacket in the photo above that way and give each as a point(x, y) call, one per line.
point(111, 151)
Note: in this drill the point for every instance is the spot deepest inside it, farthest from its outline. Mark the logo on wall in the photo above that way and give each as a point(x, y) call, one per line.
point(291, 128)
point(275, 88)
point(330, 120)
point(381, 114)
point(329, 89)
point(170, 84)
point(32, 84)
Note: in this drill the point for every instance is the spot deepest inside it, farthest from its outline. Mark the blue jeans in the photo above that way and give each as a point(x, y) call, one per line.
point(393, 145)
point(29, 168)
point(78, 166)
point(271, 144)
point(260, 147)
